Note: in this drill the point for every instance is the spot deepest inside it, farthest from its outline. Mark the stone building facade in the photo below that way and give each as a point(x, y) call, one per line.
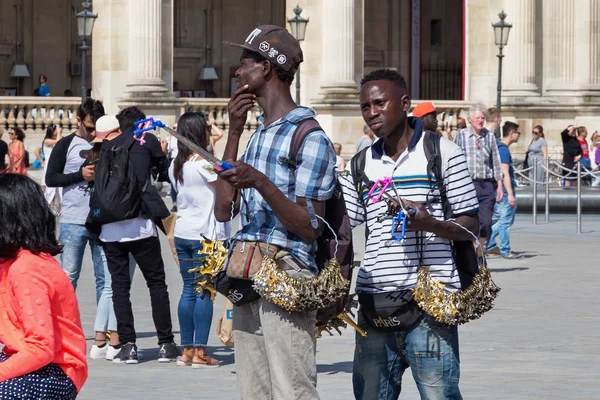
point(147, 52)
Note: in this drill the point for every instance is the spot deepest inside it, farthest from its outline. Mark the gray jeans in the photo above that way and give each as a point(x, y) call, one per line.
point(274, 352)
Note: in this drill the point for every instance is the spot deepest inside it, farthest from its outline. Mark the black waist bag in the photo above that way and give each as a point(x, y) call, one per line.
point(238, 291)
point(390, 312)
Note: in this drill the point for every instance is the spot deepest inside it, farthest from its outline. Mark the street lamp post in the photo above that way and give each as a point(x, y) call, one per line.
point(85, 24)
point(298, 27)
point(501, 31)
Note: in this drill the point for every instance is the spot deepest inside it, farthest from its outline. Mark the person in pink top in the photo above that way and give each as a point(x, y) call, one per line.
point(44, 354)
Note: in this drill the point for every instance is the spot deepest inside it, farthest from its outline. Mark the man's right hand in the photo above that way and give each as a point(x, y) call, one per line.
point(237, 108)
point(89, 172)
point(512, 201)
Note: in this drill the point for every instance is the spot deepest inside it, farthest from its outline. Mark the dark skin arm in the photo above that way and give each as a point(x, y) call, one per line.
point(293, 216)
point(423, 221)
point(238, 107)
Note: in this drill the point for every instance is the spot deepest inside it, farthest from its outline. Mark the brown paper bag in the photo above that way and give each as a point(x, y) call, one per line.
point(225, 325)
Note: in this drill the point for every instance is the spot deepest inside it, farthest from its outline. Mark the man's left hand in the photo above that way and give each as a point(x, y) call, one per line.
point(499, 195)
point(419, 218)
point(243, 176)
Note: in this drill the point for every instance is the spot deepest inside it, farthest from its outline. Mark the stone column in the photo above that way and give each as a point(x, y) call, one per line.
point(338, 51)
point(519, 62)
point(145, 48)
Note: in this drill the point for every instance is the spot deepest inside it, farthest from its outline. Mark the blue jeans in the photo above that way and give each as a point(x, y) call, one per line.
point(504, 217)
point(194, 312)
point(105, 311)
point(74, 238)
point(430, 350)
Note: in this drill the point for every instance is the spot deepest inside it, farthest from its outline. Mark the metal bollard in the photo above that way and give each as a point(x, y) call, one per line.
point(579, 198)
point(534, 192)
point(547, 190)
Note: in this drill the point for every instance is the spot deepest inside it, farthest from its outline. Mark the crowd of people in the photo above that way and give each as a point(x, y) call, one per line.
point(101, 175)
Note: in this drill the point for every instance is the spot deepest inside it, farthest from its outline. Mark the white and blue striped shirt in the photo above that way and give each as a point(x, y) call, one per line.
point(391, 265)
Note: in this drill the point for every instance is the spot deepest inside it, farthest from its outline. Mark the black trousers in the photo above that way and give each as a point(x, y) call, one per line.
point(147, 255)
point(486, 194)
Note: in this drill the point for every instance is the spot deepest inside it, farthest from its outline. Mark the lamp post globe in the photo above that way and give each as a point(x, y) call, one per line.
point(501, 32)
point(298, 31)
point(85, 24)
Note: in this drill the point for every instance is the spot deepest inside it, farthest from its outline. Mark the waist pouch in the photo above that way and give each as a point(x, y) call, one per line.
point(246, 258)
point(390, 312)
point(238, 291)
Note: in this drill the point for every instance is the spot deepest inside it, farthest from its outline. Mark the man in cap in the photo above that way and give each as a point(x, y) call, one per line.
point(274, 348)
point(426, 111)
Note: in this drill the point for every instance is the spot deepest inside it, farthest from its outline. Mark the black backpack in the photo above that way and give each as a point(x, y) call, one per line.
point(463, 252)
point(116, 195)
point(337, 218)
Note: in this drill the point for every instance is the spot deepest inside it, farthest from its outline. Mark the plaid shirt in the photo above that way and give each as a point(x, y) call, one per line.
point(483, 159)
point(313, 178)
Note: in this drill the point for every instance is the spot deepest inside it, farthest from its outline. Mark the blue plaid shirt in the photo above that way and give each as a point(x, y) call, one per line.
point(313, 178)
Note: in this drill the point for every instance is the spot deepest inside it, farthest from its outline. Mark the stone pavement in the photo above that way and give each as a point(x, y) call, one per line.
point(540, 341)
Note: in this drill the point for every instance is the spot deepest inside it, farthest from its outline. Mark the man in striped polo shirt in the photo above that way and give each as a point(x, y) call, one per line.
point(406, 336)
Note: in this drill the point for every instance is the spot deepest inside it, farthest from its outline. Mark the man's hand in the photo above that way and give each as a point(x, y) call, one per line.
point(576, 158)
point(418, 217)
point(512, 201)
point(243, 176)
point(499, 194)
point(89, 172)
point(237, 108)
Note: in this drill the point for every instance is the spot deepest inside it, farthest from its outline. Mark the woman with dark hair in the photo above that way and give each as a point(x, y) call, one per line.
point(195, 182)
point(44, 345)
point(571, 152)
point(53, 135)
point(16, 151)
point(537, 153)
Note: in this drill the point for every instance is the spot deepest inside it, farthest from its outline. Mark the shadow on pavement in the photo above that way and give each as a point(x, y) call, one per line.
point(508, 269)
point(331, 369)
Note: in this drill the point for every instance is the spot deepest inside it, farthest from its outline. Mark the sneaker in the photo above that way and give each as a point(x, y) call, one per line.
point(168, 352)
point(126, 355)
point(511, 256)
point(98, 353)
point(111, 352)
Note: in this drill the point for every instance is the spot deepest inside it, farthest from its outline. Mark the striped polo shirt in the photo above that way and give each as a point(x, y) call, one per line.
point(390, 265)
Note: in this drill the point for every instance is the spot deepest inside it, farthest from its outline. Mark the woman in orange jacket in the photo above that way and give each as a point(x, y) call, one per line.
point(44, 345)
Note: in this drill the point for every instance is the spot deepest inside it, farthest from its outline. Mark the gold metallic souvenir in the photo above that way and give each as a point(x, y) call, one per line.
point(212, 259)
point(300, 294)
point(455, 307)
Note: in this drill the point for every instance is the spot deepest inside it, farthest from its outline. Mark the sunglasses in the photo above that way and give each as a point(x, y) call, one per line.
point(535, 132)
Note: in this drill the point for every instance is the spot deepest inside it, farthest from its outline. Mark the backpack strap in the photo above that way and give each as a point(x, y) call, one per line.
point(357, 166)
point(434, 167)
point(302, 130)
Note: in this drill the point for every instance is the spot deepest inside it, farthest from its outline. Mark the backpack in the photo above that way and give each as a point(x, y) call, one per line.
point(116, 195)
point(337, 218)
point(463, 252)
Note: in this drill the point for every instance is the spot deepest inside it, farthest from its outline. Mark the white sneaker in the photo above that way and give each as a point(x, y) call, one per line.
point(111, 352)
point(98, 353)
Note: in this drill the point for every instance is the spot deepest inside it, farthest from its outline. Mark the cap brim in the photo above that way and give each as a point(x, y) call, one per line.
point(240, 46)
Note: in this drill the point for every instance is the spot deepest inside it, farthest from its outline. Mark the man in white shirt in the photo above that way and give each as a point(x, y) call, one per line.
point(400, 335)
point(139, 237)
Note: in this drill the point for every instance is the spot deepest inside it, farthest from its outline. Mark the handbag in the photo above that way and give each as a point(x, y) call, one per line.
point(526, 161)
point(245, 259)
point(225, 325)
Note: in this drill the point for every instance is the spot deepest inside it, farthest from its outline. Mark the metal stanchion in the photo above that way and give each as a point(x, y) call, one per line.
point(579, 198)
point(534, 192)
point(547, 190)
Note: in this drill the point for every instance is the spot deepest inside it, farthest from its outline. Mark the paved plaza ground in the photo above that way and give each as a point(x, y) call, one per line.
point(540, 341)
